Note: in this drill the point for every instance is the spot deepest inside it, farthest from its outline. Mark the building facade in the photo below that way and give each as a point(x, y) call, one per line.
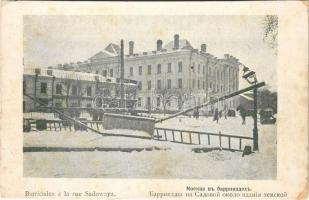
point(171, 77)
point(70, 89)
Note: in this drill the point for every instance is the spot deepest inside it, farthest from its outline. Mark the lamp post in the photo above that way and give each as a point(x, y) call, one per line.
point(251, 78)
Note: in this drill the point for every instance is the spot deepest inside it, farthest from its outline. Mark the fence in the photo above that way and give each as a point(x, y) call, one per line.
point(200, 138)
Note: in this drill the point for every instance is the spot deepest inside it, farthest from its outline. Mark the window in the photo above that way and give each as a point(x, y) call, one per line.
point(89, 91)
point(43, 88)
point(158, 101)
point(217, 75)
point(159, 84)
point(198, 84)
point(179, 83)
point(204, 69)
point(204, 85)
point(222, 76)
point(169, 67)
point(74, 90)
point(139, 101)
point(193, 65)
point(97, 72)
point(193, 83)
point(149, 85)
point(58, 89)
point(111, 72)
point(140, 70)
point(131, 71)
point(140, 85)
point(104, 73)
point(148, 102)
point(179, 66)
point(169, 83)
point(159, 69)
point(209, 71)
point(198, 68)
point(149, 69)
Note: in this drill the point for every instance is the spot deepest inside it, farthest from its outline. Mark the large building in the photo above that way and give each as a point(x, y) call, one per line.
point(172, 76)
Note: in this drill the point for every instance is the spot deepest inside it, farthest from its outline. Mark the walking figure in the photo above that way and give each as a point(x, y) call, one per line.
point(216, 116)
point(242, 114)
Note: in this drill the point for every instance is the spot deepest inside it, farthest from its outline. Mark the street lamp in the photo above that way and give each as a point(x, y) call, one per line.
point(249, 75)
point(251, 78)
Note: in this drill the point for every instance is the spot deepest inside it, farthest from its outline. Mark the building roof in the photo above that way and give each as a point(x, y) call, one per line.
point(73, 75)
point(183, 44)
point(110, 50)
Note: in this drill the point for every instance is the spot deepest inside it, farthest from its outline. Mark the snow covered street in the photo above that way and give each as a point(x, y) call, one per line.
point(154, 159)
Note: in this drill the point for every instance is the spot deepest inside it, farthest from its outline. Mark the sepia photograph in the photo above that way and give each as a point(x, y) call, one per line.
point(154, 100)
point(169, 96)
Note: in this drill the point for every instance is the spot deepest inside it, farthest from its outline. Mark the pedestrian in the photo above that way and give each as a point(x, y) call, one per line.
point(216, 115)
point(243, 113)
point(197, 114)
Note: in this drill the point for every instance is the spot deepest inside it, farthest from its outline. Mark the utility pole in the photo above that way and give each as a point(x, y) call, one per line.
point(255, 129)
point(121, 75)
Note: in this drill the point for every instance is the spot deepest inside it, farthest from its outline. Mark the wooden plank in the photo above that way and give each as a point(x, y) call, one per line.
point(173, 135)
point(220, 139)
point(239, 143)
point(165, 135)
point(229, 138)
point(181, 138)
point(207, 133)
point(190, 138)
point(208, 139)
point(158, 134)
point(199, 138)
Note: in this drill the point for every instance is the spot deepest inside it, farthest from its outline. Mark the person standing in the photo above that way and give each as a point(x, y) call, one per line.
point(216, 115)
point(242, 112)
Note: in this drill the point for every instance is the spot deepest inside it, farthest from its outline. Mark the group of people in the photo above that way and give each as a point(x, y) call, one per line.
point(218, 114)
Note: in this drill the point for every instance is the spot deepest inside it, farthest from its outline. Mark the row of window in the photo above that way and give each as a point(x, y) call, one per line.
point(59, 89)
point(159, 69)
point(159, 85)
point(104, 72)
point(200, 85)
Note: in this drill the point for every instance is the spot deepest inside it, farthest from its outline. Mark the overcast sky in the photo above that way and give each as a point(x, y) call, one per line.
point(50, 40)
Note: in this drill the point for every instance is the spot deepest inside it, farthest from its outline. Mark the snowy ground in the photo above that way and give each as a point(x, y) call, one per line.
point(171, 161)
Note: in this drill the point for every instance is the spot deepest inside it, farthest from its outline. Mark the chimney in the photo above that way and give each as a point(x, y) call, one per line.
point(159, 45)
point(176, 41)
point(131, 48)
point(203, 48)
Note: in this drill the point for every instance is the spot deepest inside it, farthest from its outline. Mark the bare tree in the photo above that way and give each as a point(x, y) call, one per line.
point(166, 96)
point(270, 30)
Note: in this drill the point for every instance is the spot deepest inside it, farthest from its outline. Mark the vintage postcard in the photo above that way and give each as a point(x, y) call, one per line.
point(201, 100)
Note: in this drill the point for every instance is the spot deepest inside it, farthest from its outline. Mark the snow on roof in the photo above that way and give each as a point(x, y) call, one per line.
point(69, 75)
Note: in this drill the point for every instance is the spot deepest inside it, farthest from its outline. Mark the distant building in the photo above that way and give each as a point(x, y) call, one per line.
point(63, 89)
point(170, 77)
